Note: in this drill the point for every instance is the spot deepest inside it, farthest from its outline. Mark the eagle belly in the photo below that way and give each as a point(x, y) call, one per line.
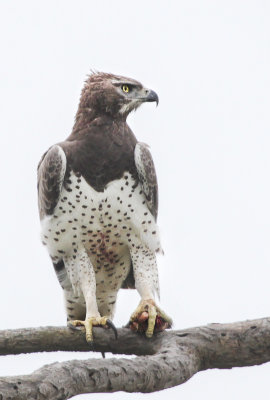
point(106, 224)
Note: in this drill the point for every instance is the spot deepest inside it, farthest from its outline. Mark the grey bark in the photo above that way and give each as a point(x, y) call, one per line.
point(168, 359)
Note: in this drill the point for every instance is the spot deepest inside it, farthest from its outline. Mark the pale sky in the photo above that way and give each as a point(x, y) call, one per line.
point(209, 61)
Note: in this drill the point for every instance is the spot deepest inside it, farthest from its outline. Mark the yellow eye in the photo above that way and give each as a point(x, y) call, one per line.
point(125, 88)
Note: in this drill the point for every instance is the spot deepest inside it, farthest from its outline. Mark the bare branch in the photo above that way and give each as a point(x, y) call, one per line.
point(170, 358)
point(52, 338)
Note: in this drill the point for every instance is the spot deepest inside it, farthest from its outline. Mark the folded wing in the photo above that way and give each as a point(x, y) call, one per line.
point(147, 176)
point(51, 172)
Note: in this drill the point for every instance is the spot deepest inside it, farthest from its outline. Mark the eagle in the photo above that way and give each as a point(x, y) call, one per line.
point(98, 206)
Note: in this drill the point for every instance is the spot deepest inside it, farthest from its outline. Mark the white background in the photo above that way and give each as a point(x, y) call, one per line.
point(209, 61)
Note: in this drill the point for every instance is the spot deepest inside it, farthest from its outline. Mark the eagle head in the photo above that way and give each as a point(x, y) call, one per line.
point(113, 95)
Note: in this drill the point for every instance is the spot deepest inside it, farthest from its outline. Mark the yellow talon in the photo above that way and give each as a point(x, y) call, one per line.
point(152, 314)
point(148, 317)
point(93, 321)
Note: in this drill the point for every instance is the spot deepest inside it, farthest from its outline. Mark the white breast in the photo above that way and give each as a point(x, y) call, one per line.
point(83, 213)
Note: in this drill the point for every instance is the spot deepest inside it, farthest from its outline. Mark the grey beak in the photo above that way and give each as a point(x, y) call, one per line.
point(152, 96)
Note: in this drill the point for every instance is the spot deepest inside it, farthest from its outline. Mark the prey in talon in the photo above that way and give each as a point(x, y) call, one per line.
point(98, 207)
point(148, 318)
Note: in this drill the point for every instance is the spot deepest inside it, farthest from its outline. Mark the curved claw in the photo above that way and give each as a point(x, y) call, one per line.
point(111, 325)
point(148, 318)
point(89, 323)
point(73, 327)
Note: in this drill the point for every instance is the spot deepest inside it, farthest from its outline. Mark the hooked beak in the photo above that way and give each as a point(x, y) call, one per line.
point(151, 96)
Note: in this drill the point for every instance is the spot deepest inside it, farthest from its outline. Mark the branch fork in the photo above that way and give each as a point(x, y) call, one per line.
point(166, 360)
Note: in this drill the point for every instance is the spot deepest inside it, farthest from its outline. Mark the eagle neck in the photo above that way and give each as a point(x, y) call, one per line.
point(87, 118)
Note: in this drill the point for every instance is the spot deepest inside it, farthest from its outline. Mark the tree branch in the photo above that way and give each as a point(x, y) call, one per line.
point(168, 359)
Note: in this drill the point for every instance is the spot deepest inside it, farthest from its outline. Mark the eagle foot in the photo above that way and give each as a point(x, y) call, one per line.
point(93, 321)
point(149, 318)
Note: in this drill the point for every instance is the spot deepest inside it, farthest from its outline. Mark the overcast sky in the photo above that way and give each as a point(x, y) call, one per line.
point(209, 61)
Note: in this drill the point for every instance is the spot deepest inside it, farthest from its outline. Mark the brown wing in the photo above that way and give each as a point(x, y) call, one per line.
point(51, 172)
point(147, 176)
point(148, 181)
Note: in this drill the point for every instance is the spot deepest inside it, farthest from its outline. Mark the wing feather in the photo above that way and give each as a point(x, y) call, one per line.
point(51, 172)
point(147, 176)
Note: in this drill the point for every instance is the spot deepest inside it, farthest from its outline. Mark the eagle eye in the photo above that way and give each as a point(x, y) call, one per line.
point(125, 88)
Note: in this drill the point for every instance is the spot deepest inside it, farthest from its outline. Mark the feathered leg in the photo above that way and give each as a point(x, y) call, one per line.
point(147, 316)
point(82, 277)
point(75, 306)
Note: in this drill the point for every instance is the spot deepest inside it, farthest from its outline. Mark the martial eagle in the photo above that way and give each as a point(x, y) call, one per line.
point(98, 205)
